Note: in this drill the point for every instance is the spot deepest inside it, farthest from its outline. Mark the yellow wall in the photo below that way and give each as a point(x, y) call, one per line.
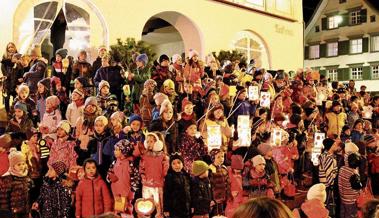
point(217, 23)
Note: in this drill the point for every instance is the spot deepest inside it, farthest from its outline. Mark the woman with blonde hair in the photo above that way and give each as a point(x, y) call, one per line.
point(263, 207)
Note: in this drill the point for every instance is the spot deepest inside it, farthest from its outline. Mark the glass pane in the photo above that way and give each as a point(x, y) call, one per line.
point(283, 5)
point(255, 45)
point(241, 43)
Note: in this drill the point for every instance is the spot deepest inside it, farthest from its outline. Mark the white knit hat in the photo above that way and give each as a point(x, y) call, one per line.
point(317, 191)
point(175, 58)
point(103, 83)
point(65, 125)
point(258, 159)
point(166, 104)
point(192, 53)
point(351, 148)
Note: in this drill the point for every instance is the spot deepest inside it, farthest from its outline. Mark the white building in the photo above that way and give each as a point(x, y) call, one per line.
point(342, 41)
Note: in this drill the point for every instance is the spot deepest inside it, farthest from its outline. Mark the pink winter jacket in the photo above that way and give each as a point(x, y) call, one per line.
point(153, 169)
point(63, 150)
point(121, 187)
point(92, 198)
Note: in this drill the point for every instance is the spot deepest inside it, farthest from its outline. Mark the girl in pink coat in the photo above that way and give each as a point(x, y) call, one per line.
point(235, 175)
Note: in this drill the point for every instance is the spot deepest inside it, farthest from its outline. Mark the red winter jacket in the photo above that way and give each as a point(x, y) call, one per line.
point(92, 198)
point(153, 169)
point(4, 163)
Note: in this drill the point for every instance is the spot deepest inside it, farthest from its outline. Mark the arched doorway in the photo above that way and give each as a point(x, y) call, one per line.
point(254, 47)
point(36, 21)
point(171, 32)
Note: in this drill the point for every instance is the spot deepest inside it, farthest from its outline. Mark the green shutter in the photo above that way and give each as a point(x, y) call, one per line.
point(306, 52)
point(363, 15)
point(345, 20)
point(322, 72)
point(365, 45)
point(322, 50)
point(343, 74)
point(366, 73)
point(324, 23)
point(343, 47)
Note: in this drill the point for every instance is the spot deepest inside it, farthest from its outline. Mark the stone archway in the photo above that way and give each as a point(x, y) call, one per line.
point(189, 32)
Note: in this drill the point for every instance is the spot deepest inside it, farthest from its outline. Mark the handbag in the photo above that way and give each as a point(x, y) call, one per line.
point(289, 188)
point(365, 195)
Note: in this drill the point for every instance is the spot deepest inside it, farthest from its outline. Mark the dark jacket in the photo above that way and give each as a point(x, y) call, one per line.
point(112, 75)
point(12, 74)
point(24, 126)
point(220, 183)
point(171, 137)
point(177, 195)
point(140, 76)
point(14, 195)
point(54, 200)
point(36, 73)
point(96, 64)
point(201, 196)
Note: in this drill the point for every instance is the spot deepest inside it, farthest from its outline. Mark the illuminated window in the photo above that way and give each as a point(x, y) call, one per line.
point(314, 51)
point(355, 17)
point(356, 73)
point(356, 46)
point(253, 47)
point(375, 72)
point(283, 5)
point(334, 21)
point(256, 2)
point(375, 43)
point(332, 49)
point(332, 74)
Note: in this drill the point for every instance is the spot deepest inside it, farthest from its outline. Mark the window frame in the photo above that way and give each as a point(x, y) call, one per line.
point(310, 51)
point(357, 15)
point(358, 71)
point(334, 72)
point(376, 71)
point(328, 49)
point(334, 22)
point(359, 45)
point(374, 47)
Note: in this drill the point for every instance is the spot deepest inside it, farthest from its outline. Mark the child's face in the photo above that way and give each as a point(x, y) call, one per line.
point(214, 99)
point(164, 63)
point(242, 96)
point(41, 88)
point(359, 126)
point(348, 132)
point(135, 126)
point(90, 169)
point(188, 109)
point(82, 57)
point(188, 88)
point(117, 127)
point(49, 106)
point(168, 90)
point(167, 114)
point(18, 113)
point(218, 113)
point(191, 131)
point(179, 61)
point(77, 84)
point(150, 141)
point(51, 173)
point(118, 153)
point(21, 167)
point(177, 165)
point(140, 64)
point(75, 96)
point(99, 127)
point(90, 109)
point(104, 91)
point(219, 159)
point(23, 94)
point(260, 168)
point(61, 133)
point(195, 58)
point(58, 58)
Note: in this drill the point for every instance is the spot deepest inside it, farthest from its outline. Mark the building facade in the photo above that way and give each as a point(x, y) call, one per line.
point(263, 29)
point(342, 41)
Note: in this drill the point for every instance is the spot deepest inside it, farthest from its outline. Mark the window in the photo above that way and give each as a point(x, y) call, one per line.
point(252, 47)
point(375, 43)
point(375, 72)
point(332, 49)
point(356, 73)
point(356, 46)
point(283, 6)
point(317, 29)
point(332, 74)
point(334, 21)
point(256, 2)
point(314, 51)
point(372, 18)
point(355, 17)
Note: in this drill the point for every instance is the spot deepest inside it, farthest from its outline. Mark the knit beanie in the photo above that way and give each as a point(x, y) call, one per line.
point(258, 159)
point(102, 84)
point(150, 83)
point(15, 157)
point(79, 92)
point(351, 148)
point(5, 141)
point(346, 127)
point(199, 167)
point(62, 52)
point(159, 98)
point(59, 167)
point(264, 148)
point(166, 105)
point(102, 119)
point(21, 106)
point(158, 146)
point(317, 191)
point(175, 58)
point(135, 117)
point(176, 156)
point(188, 123)
point(192, 53)
point(163, 58)
point(237, 162)
point(23, 87)
point(65, 125)
point(90, 101)
point(53, 100)
point(45, 82)
point(119, 115)
point(125, 147)
point(368, 139)
point(186, 102)
point(169, 83)
point(142, 58)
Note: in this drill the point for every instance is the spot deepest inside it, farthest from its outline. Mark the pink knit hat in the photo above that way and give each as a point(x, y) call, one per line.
point(192, 53)
point(53, 100)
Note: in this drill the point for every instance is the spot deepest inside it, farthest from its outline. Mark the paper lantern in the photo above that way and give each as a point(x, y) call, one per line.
point(144, 207)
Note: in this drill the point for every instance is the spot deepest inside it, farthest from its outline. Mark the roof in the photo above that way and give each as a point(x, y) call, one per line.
point(316, 15)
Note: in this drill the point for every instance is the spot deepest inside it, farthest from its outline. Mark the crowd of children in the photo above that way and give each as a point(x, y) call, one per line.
point(91, 138)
